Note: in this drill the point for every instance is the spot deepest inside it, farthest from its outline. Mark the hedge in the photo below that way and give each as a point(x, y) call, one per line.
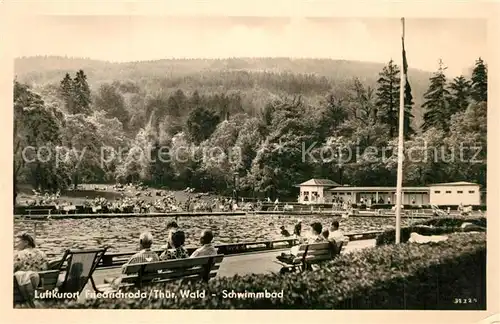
point(434, 226)
point(455, 221)
point(403, 276)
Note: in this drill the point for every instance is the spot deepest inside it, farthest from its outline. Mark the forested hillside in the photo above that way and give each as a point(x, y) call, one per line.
point(274, 121)
point(254, 78)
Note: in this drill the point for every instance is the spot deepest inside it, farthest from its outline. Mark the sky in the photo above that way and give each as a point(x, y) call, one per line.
point(458, 42)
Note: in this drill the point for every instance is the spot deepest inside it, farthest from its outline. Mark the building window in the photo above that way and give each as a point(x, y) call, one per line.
point(348, 193)
point(448, 191)
point(460, 191)
point(306, 193)
point(471, 191)
point(437, 191)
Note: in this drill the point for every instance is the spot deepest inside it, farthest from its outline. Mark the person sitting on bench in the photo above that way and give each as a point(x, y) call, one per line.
point(284, 231)
point(29, 257)
point(336, 234)
point(144, 255)
point(207, 248)
point(316, 237)
point(176, 241)
point(316, 231)
point(171, 227)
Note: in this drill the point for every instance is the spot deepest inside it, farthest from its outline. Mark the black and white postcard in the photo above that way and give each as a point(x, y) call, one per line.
point(295, 159)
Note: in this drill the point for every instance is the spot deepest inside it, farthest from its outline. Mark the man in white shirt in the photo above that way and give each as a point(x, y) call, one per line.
point(336, 234)
point(207, 248)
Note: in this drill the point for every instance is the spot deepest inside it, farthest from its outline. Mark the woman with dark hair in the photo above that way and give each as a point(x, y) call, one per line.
point(176, 241)
point(172, 226)
point(316, 233)
point(284, 231)
point(29, 257)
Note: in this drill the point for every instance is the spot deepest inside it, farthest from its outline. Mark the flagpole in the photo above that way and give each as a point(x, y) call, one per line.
point(399, 191)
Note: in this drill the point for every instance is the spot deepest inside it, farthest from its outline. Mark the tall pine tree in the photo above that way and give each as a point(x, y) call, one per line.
point(479, 89)
point(388, 97)
point(460, 93)
point(332, 116)
point(67, 93)
point(81, 91)
point(437, 102)
point(201, 123)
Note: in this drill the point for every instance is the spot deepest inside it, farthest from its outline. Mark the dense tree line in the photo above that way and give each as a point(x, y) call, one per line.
point(188, 138)
point(257, 80)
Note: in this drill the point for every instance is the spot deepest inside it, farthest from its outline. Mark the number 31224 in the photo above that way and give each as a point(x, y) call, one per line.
point(464, 300)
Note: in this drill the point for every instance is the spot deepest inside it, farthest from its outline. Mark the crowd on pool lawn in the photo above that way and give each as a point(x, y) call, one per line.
point(136, 201)
point(137, 204)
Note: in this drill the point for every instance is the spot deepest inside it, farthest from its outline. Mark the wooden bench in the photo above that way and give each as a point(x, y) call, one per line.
point(141, 274)
point(362, 236)
point(391, 212)
point(117, 259)
point(47, 210)
point(48, 281)
point(310, 254)
point(235, 248)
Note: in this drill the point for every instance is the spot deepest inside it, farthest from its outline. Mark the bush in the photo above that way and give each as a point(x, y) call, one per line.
point(404, 276)
point(454, 221)
point(455, 207)
point(434, 226)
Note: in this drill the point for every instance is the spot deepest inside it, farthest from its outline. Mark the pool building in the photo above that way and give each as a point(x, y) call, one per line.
point(325, 191)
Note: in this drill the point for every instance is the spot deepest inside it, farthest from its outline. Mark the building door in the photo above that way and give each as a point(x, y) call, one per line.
point(425, 199)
